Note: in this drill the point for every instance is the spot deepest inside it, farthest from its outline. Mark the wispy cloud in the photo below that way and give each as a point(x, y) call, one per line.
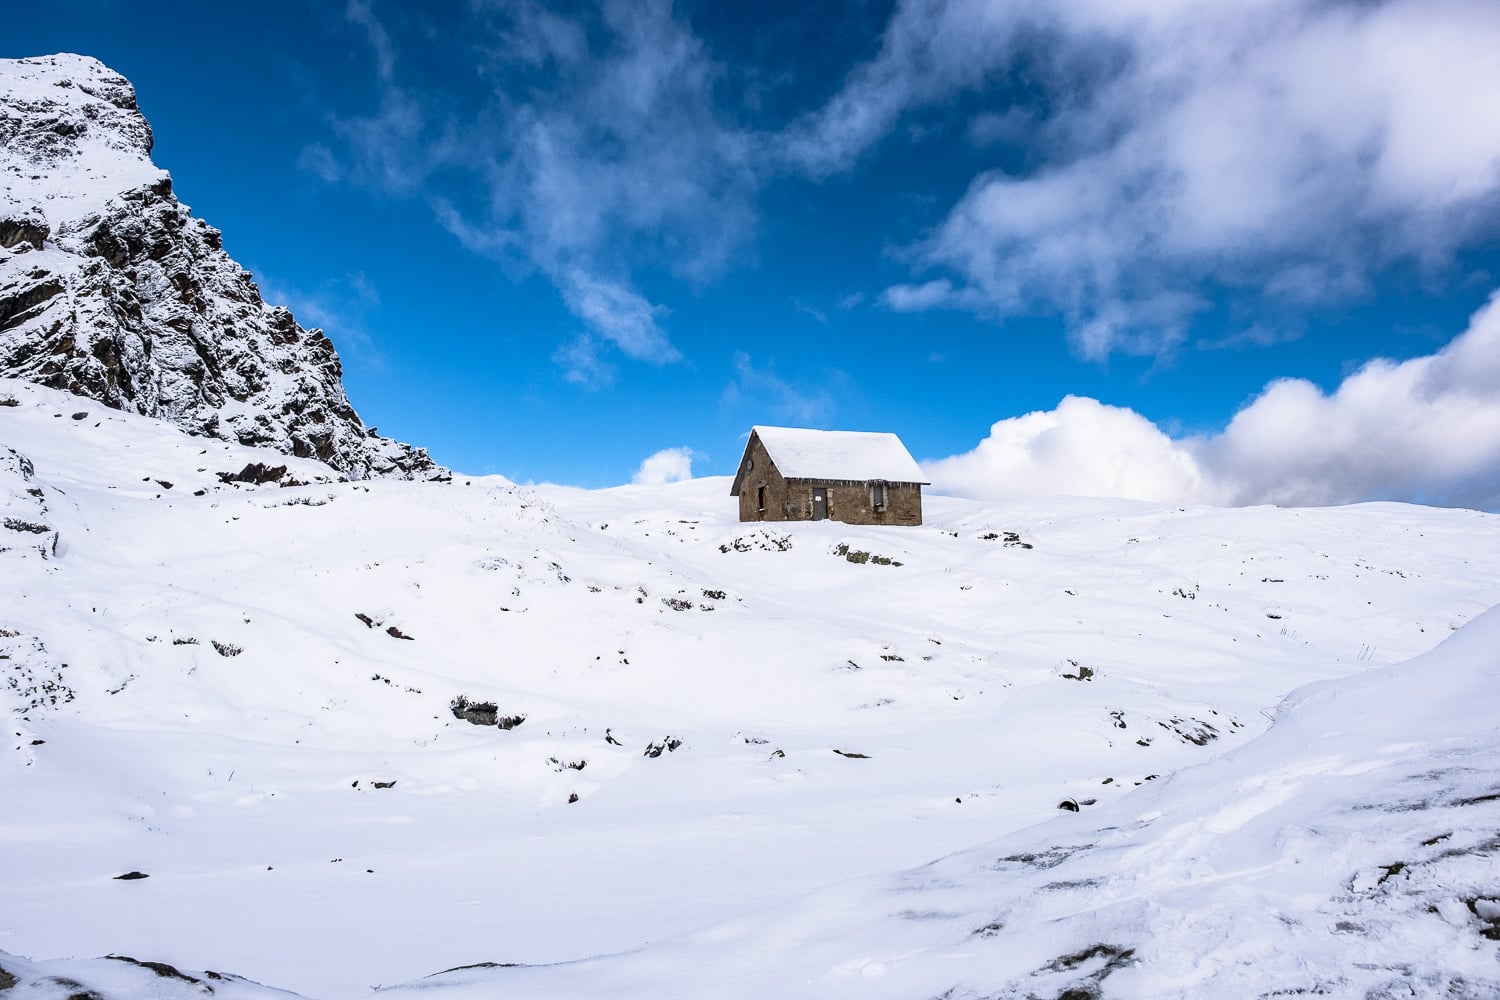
point(582, 364)
point(1158, 158)
point(930, 50)
point(915, 298)
point(1425, 430)
point(767, 392)
point(360, 13)
point(340, 307)
point(394, 148)
point(813, 311)
point(597, 155)
point(620, 314)
point(1251, 147)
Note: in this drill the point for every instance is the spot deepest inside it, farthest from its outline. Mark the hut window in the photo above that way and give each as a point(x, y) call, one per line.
point(760, 498)
point(877, 496)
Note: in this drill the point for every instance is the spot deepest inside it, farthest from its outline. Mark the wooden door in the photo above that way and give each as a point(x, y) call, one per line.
point(820, 504)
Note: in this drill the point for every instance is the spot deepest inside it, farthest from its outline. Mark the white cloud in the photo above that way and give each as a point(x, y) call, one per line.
point(619, 314)
point(582, 364)
point(359, 13)
point(597, 154)
point(930, 49)
point(1425, 430)
point(1082, 448)
point(340, 307)
point(608, 156)
point(1253, 147)
point(670, 465)
point(767, 393)
point(914, 298)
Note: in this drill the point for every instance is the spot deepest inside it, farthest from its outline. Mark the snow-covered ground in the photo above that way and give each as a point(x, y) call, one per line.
point(760, 724)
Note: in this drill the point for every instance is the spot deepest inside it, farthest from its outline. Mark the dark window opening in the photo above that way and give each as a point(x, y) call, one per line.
point(877, 496)
point(760, 498)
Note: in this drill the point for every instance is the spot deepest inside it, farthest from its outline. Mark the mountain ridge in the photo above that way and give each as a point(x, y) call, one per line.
point(111, 289)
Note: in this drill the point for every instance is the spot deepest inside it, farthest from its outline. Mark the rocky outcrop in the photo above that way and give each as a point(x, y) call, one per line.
point(111, 289)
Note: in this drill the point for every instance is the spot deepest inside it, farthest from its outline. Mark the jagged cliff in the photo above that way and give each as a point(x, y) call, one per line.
point(109, 287)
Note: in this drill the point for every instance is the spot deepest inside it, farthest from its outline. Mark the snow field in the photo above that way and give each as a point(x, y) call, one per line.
point(242, 778)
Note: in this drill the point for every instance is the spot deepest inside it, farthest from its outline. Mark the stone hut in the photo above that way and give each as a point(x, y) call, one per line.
point(858, 477)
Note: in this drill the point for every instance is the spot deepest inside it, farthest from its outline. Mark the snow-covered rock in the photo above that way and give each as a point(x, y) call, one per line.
point(111, 289)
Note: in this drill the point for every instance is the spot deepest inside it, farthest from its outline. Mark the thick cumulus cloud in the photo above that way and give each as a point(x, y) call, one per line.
point(670, 465)
point(1250, 147)
point(1081, 448)
point(1425, 430)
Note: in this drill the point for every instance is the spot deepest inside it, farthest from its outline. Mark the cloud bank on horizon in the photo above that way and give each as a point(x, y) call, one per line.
point(1427, 429)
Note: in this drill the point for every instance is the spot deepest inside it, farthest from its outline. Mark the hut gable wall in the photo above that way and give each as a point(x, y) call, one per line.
point(758, 480)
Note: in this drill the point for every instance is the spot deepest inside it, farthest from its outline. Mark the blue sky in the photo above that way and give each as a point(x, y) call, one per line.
point(1060, 247)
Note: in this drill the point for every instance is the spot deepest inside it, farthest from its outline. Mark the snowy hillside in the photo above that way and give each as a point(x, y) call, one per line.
point(286, 707)
point(109, 288)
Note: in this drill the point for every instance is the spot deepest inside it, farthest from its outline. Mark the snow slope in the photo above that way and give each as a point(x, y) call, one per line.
point(206, 681)
point(1350, 851)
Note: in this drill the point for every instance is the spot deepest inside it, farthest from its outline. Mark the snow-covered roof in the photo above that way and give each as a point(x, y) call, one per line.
point(801, 453)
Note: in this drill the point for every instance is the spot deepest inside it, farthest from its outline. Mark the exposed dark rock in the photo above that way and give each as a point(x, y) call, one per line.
point(162, 969)
point(480, 965)
point(667, 745)
point(30, 230)
point(131, 876)
point(1112, 958)
point(1085, 673)
point(76, 990)
point(256, 473)
point(483, 713)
